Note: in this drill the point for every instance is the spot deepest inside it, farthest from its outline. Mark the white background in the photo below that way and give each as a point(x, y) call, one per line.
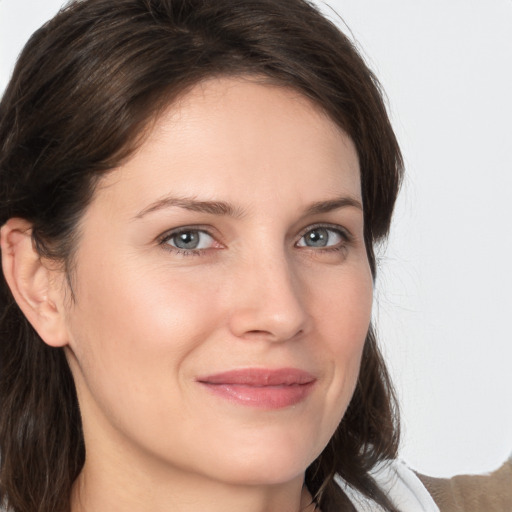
point(443, 294)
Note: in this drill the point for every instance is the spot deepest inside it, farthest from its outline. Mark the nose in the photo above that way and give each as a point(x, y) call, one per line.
point(268, 301)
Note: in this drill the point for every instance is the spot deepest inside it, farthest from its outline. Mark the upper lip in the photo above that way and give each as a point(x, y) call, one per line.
point(260, 377)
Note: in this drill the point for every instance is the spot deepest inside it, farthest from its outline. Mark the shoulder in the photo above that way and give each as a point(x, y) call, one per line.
point(402, 486)
point(491, 492)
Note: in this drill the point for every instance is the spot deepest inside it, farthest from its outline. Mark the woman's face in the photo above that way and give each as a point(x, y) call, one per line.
point(222, 289)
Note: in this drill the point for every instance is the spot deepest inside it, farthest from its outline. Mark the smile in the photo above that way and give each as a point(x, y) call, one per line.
point(261, 388)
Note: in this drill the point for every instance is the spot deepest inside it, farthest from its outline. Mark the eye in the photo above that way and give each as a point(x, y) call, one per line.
point(322, 237)
point(189, 240)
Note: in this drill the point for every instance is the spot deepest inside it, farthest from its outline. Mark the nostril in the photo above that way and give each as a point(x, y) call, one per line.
point(271, 335)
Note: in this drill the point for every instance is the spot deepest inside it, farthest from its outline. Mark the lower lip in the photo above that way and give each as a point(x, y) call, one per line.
point(264, 397)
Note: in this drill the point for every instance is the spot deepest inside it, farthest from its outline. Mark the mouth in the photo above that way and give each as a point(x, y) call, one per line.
point(261, 388)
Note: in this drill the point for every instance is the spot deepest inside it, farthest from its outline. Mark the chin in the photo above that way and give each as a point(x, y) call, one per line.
point(263, 467)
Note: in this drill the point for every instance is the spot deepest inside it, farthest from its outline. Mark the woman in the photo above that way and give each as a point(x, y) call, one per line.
point(191, 194)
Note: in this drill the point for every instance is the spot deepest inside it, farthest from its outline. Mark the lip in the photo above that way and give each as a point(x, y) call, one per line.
point(261, 387)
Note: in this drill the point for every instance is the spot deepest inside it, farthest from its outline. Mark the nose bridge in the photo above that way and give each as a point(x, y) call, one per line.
point(269, 297)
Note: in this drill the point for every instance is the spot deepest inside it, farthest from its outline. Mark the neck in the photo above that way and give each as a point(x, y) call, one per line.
point(106, 485)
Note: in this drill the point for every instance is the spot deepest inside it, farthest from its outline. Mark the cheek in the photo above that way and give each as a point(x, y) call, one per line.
point(133, 329)
point(344, 315)
point(142, 305)
point(344, 308)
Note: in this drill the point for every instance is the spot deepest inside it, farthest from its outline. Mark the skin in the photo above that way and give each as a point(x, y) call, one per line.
point(148, 319)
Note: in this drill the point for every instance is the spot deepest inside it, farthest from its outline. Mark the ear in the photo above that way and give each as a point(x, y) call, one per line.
point(37, 288)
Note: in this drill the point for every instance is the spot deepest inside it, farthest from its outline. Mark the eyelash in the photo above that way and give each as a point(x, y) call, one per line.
point(341, 232)
point(346, 237)
point(164, 239)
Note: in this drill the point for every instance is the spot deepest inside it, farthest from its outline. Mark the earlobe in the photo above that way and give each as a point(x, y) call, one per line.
point(33, 285)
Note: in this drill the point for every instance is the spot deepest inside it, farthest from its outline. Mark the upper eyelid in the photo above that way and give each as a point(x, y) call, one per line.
point(210, 231)
point(326, 225)
point(164, 241)
point(183, 229)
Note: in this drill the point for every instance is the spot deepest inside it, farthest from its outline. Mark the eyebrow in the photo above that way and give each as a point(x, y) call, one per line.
point(223, 208)
point(189, 203)
point(334, 204)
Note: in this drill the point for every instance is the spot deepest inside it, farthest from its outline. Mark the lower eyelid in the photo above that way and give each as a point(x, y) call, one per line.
point(165, 239)
point(340, 232)
point(343, 234)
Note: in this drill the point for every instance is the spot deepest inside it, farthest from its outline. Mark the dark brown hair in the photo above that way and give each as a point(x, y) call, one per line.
point(84, 89)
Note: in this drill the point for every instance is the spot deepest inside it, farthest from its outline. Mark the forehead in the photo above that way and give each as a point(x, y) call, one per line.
point(239, 135)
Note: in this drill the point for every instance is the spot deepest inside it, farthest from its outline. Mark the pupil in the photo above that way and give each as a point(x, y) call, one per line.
point(318, 238)
point(187, 240)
